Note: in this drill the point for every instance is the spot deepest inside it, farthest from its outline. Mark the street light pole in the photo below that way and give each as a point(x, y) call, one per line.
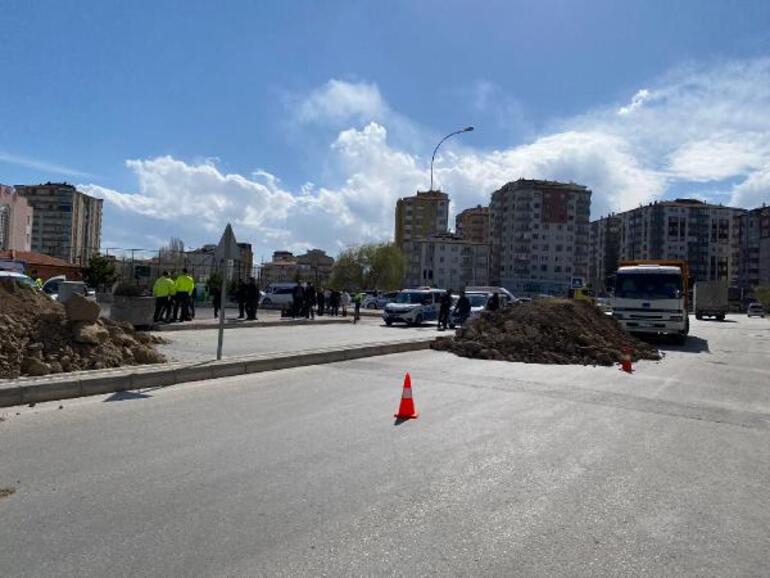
point(433, 158)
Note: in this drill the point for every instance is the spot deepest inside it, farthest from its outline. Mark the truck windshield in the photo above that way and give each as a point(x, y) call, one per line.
point(648, 286)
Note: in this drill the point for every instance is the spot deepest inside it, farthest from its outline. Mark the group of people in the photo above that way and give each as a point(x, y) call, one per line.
point(307, 302)
point(462, 308)
point(174, 297)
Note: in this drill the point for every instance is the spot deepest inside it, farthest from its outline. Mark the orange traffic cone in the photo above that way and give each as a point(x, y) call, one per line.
point(406, 410)
point(625, 364)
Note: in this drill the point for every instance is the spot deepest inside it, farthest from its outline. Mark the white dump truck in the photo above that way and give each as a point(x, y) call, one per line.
point(651, 297)
point(710, 299)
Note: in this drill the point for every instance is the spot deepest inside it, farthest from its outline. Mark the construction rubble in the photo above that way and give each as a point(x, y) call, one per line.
point(552, 331)
point(39, 336)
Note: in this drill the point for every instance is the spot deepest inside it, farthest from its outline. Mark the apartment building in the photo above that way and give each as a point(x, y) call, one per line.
point(16, 217)
point(473, 224)
point(426, 213)
point(700, 233)
point(447, 261)
point(604, 252)
point(539, 233)
point(751, 248)
point(67, 223)
point(314, 266)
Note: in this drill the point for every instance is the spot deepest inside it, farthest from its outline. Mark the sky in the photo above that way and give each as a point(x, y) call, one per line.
point(302, 122)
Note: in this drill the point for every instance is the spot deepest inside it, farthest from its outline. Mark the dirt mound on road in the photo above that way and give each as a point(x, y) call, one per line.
point(37, 338)
point(554, 331)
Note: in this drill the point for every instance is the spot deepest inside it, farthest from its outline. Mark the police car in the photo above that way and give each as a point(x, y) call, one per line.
point(413, 307)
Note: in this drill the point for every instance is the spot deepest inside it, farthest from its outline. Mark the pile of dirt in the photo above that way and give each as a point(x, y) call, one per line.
point(552, 331)
point(38, 336)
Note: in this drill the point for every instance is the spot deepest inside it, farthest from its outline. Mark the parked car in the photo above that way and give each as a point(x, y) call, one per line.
point(52, 285)
point(413, 307)
point(379, 301)
point(278, 295)
point(756, 310)
point(18, 278)
point(478, 300)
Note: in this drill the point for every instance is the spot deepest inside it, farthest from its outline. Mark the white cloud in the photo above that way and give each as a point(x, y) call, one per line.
point(341, 101)
point(694, 125)
point(637, 101)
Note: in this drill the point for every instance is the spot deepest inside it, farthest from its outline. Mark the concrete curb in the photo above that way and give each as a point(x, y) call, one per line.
point(77, 384)
point(232, 324)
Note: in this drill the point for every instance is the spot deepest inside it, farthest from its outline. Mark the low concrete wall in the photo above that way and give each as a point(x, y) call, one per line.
point(77, 384)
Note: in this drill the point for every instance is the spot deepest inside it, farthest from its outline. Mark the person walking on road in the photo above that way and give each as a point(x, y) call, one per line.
point(445, 304)
point(161, 290)
point(494, 302)
point(463, 308)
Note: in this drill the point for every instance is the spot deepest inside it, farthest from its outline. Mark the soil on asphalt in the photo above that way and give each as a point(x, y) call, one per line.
point(553, 331)
point(39, 339)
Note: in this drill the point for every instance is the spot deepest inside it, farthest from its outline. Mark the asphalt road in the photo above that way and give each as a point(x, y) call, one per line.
point(511, 469)
point(201, 345)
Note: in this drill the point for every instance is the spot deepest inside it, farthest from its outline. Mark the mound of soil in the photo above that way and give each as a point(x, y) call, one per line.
point(38, 338)
point(552, 331)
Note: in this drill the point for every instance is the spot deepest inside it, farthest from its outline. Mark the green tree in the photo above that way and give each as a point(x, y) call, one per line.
point(100, 272)
point(370, 266)
point(347, 272)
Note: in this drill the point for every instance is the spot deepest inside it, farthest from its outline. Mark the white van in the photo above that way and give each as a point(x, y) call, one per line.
point(278, 295)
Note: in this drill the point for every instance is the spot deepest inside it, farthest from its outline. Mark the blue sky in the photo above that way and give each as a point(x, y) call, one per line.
point(302, 122)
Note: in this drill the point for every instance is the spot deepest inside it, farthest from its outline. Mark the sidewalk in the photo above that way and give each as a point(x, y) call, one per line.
point(204, 319)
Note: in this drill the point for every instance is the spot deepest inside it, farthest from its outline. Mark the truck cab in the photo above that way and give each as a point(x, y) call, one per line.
point(651, 298)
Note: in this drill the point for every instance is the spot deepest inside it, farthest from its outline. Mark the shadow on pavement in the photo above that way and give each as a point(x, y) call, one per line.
point(125, 395)
point(666, 343)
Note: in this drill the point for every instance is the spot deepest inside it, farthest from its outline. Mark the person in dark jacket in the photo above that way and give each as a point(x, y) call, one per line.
point(445, 304)
point(240, 295)
point(309, 301)
point(463, 308)
point(320, 301)
point(494, 302)
point(216, 299)
point(252, 299)
point(335, 303)
point(297, 298)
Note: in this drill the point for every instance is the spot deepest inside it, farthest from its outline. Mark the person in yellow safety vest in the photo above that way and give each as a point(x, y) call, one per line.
point(39, 283)
point(184, 289)
point(161, 291)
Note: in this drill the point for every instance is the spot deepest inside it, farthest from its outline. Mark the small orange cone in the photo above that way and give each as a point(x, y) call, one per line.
point(625, 364)
point(406, 410)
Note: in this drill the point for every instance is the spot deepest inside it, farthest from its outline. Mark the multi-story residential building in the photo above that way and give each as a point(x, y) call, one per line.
point(67, 223)
point(688, 229)
point(751, 248)
point(424, 214)
point(16, 217)
point(446, 261)
point(473, 224)
point(314, 266)
point(604, 252)
point(539, 233)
